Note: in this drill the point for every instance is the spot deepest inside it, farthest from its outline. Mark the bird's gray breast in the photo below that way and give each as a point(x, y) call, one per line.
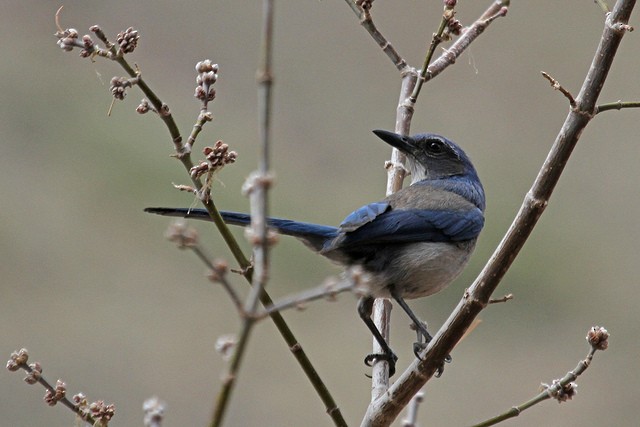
point(417, 269)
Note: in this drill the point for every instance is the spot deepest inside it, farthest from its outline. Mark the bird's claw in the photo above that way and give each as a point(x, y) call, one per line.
point(390, 358)
point(419, 346)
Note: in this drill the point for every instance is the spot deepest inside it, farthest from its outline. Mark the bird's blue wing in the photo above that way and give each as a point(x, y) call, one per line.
point(363, 215)
point(415, 225)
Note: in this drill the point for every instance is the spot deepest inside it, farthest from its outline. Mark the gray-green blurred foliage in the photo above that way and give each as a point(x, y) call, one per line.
point(97, 295)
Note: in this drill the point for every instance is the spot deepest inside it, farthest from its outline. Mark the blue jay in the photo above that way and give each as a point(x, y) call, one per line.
point(412, 244)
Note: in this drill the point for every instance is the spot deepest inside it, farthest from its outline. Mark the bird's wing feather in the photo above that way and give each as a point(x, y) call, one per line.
point(415, 225)
point(363, 215)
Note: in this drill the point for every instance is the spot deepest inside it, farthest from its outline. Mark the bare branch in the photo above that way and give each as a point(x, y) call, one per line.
point(367, 23)
point(68, 40)
point(387, 408)
point(557, 86)
point(96, 413)
point(560, 389)
point(603, 5)
point(395, 169)
point(412, 416)
point(505, 298)
point(327, 290)
point(259, 183)
point(615, 106)
point(436, 39)
point(448, 57)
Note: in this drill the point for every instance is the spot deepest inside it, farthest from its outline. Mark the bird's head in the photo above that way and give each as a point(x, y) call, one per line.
point(430, 156)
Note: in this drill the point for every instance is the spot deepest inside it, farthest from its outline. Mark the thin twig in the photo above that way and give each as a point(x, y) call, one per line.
point(497, 9)
point(55, 394)
point(203, 118)
point(257, 191)
point(504, 298)
point(561, 389)
point(603, 5)
point(436, 39)
point(186, 237)
point(557, 86)
point(412, 415)
point(367, 23)
point(328, 290)
point(615, 106)
point(396, 172)
point(218, 274)
point(476, 298)
point(258, 185)
point(183, 154)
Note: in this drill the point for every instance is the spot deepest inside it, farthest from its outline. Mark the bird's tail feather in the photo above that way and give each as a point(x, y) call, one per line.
point(313, 235)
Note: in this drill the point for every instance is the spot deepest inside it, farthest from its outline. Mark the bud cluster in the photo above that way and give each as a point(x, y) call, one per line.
point(101, 411)
point(51, 397)
point(364, 4)
point(119, 85)
point(207, 76)
point(219, 155)
point(561, 392)
point(128, 40)
point(182, 235)
point(598, 338)
point(69, 39)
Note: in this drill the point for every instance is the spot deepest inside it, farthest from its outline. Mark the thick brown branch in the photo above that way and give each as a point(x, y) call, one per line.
point(386, 409)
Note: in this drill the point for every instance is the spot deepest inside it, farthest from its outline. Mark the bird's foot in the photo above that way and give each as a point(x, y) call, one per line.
point(423, 338)
point(390, 358)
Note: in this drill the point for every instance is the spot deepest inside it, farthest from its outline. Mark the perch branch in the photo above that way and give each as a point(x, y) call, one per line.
point(386, 409)
point(395, 167)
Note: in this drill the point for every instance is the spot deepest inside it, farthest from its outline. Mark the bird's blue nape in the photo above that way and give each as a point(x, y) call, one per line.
point(467, 186)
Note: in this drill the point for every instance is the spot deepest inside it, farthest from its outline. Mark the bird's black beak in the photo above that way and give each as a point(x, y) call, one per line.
point(402, 143)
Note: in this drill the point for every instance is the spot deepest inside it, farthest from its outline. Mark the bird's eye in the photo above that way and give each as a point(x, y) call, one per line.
point(435, 147)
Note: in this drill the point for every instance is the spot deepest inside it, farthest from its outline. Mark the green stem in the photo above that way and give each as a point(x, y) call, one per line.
point(435, 41)
point(184, 156)
point(616, 106)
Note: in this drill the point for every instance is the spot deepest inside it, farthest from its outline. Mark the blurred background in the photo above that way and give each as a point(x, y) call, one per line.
point(99, 297)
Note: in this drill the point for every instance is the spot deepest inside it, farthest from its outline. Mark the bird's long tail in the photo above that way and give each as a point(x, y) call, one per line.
point(313, 235)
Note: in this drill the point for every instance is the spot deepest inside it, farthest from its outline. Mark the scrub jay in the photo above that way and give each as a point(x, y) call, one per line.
point(412, 244)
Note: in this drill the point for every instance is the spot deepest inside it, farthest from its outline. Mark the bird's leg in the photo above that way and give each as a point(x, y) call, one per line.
point(365, 309)
point(421, 339)
point(424, 337)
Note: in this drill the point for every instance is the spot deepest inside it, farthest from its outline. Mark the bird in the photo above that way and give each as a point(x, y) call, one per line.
point(411, 244)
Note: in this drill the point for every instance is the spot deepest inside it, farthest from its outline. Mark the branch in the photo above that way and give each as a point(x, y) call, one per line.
point(395, 167)
point(557, 86)
point(95, 413)
point(366, 21)
point(448, 57)
point(615, 106)
point(256, 187)
point(395, 176)
point(328, 290)
point(438, 37)
point(560, 389)
point(68, 39)
point(476, 298)
point(186, 237)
